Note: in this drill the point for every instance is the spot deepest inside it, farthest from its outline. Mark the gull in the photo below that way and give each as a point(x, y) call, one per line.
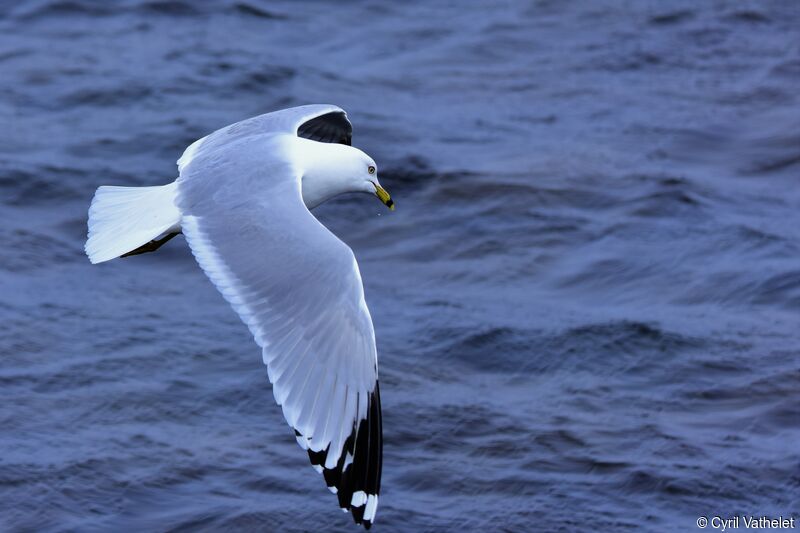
point(242, 200)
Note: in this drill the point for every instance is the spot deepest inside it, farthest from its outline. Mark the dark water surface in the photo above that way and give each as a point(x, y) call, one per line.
point(587, 303)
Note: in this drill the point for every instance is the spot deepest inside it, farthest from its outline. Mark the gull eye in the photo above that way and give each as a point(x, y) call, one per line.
point(371, 169)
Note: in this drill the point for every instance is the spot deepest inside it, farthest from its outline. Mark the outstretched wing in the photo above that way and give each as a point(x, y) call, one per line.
point(318, 122)
point(299, 290)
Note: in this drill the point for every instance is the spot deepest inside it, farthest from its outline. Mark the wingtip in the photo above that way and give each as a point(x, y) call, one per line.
point(354, 477)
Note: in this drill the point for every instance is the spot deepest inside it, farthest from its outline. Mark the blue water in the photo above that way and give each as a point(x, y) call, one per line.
point(586, 304)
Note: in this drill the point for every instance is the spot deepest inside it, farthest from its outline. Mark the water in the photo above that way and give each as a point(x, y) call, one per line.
point(586, 303)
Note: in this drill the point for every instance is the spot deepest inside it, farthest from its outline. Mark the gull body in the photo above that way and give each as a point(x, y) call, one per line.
point(242, 200)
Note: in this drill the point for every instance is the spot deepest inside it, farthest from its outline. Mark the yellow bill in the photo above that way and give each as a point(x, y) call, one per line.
point(384, 197)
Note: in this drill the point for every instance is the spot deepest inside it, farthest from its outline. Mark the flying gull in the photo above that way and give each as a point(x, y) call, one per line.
point(242, 200)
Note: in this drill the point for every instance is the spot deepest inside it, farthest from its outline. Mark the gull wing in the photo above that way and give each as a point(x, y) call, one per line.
point(299, 290)
point(318, 122)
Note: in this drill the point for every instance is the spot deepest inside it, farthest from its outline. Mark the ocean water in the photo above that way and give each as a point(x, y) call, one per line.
point(586, 303)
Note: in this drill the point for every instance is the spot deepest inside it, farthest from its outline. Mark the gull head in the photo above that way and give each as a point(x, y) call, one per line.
point(329, 170)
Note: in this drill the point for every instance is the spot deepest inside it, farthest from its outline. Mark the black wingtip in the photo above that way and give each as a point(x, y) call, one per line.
point(363, 452)
point(331, 127)
point(358, 514)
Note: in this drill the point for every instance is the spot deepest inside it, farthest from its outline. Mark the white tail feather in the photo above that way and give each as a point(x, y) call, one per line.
point(122, 219)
